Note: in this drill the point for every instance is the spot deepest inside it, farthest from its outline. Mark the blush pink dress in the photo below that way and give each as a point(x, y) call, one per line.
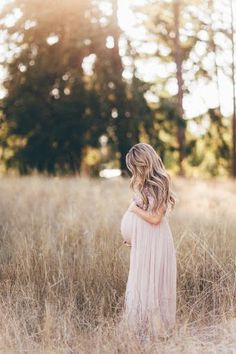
point(150, 297)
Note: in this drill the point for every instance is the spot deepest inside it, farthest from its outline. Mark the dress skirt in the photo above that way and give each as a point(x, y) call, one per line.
point(150, 297)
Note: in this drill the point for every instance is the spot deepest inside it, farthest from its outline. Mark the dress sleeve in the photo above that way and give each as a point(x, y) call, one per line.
point(137, 200)
point(151, 205)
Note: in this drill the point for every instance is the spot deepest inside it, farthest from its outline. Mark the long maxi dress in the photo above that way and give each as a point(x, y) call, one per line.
point(150, 297)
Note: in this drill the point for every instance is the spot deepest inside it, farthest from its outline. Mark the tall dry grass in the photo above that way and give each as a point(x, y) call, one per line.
point(64, 268)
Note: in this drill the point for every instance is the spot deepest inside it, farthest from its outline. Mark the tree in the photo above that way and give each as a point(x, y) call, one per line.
point(232, 33)
point(57, 105)
point(224, 26)
point(176, 28)
point(178, 58)
point(48, 104)
point(122, 101)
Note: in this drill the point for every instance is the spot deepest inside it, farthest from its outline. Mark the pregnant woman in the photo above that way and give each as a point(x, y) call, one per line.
point(150, 297)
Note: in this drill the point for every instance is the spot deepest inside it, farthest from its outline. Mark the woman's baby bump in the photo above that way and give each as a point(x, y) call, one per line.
point(127, 225)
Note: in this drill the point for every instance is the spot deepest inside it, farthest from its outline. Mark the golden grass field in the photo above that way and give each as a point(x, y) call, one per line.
point(64, 267)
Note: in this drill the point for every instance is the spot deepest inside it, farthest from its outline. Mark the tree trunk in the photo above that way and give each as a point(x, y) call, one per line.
point(178, 62)
point(214, 48)
point(122, 124)
point(234, 93)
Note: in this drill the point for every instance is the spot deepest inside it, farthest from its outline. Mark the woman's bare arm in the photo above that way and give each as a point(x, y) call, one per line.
point(152, 218)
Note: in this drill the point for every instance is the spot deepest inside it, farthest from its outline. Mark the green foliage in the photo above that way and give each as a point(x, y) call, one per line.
point(54, 104)
point(66, 87)
point(211, 151)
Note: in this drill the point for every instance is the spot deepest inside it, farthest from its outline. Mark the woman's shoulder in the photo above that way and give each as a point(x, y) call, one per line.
point(152, 201)
point(138, 198)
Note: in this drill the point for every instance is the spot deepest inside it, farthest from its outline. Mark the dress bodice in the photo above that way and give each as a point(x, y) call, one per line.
point(137, 198)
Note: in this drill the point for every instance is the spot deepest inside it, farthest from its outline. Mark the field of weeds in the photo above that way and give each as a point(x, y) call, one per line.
point(63, 267)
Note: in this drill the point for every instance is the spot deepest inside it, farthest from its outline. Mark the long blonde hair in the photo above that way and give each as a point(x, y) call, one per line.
point(149, 173)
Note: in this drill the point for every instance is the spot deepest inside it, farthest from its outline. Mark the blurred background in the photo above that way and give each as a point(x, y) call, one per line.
point(81, 81)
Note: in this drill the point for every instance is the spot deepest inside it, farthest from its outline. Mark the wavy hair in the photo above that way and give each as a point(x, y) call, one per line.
point(149, 173)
